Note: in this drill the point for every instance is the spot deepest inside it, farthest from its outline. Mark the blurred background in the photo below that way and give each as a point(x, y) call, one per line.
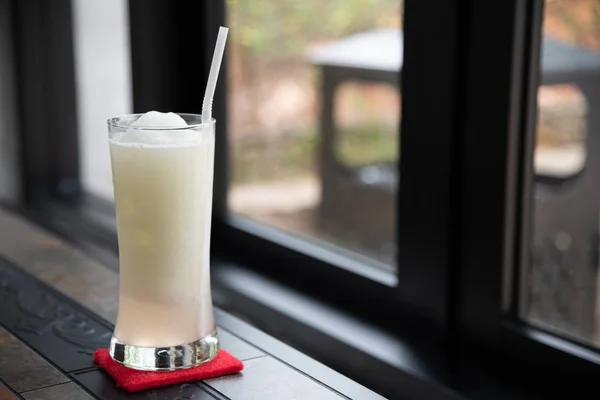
point(314, 141)
point(385, 202)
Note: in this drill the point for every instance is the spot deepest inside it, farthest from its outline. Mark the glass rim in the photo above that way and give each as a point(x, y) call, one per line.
point(114, 122)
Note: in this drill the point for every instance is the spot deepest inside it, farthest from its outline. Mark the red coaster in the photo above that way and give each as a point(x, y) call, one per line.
point(133, 380)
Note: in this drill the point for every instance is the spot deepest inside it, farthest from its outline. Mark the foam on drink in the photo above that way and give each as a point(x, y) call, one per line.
point(137, 136)
point(163, 193)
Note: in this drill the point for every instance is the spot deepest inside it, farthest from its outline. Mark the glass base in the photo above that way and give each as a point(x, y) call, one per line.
point(165, 358)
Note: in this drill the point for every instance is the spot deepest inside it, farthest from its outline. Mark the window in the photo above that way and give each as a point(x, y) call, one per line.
point(314, 113)
point(562, 290)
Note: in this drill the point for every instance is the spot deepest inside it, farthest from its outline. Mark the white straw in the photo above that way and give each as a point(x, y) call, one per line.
point(215, 66)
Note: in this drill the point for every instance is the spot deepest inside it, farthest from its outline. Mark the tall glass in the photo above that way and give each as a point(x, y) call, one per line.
point(163, 181)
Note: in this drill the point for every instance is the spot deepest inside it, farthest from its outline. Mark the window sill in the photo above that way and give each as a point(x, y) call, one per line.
point(360, 351)
point(397, 366)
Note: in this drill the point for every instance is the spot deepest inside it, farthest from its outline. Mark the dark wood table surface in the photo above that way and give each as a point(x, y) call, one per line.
point(57, 305)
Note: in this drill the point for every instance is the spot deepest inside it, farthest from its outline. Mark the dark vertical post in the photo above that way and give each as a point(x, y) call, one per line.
point(47, 102)
point(171, 50)
point(496, 104)
point(427, 164)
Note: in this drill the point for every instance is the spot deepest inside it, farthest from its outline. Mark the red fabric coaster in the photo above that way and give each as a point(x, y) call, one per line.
point(133, 380)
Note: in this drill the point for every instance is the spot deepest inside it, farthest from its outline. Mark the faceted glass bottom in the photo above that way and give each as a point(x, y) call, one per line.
point(165, 358)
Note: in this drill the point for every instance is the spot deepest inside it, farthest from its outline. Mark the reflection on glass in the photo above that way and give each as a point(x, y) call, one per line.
point(561, 291)
point(562, 131)
point(314, 110)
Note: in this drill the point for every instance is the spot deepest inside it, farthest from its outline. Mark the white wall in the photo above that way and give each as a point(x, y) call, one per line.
point(103, 74)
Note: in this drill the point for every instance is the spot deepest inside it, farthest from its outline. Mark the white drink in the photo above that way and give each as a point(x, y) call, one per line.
point(163, 194)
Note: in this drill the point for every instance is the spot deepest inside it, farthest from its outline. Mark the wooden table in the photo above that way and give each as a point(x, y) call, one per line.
point(57, 305)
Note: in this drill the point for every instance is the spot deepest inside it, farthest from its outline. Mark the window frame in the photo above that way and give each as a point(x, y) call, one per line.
point(495, 234)
point(422, 281)
point(459, 259)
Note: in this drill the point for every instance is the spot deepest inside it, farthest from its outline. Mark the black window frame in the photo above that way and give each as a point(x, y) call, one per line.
point(420, 212)
point(495, 234)
point(466, 63)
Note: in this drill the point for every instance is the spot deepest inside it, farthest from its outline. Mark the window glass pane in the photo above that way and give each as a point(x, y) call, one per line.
point(562, 285)
point(103, 74)
point(314, 111)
